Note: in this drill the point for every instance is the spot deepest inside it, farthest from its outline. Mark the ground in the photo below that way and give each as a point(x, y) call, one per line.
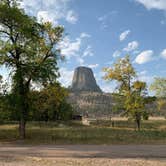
point(79, 155)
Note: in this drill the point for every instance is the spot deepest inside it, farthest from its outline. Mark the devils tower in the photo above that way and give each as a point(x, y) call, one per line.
point(84, 80)
point(86, 97)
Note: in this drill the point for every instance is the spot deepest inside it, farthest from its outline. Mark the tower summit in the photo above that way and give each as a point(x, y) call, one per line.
point(84, 80)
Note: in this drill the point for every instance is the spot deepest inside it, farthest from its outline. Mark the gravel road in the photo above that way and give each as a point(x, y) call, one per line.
point(83, 155)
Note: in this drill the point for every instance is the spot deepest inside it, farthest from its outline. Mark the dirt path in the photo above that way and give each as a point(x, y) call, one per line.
point(97, 155)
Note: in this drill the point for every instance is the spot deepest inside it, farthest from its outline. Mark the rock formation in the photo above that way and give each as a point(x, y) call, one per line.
point(83, 80)
point(86, 96)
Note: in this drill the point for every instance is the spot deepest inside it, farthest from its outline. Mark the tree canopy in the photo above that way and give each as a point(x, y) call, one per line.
point(122, 72)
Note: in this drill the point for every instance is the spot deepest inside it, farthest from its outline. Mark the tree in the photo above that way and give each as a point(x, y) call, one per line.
point(28, 48)
point(131, 93)
point(159, 86)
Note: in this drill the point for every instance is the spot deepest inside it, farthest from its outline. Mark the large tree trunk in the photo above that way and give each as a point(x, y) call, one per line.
point(21, 90)
point(138, 124)
point(138, 121)
point(23, 113)
point(22, 128)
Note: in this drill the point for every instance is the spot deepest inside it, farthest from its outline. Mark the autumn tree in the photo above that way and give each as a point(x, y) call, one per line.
point(130, 93)
point(28, 49)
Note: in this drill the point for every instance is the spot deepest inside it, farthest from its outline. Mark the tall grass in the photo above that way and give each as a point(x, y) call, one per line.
point(99, 132)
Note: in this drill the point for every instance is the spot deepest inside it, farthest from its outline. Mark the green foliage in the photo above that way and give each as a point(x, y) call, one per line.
point(159, 86)
point(50, 104)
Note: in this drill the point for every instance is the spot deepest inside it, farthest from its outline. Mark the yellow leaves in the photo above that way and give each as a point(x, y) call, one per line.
point(109, 74)
point(47, 25)
point(139, 85)
point(122, 72)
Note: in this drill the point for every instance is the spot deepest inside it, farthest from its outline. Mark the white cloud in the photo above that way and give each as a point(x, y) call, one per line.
point(31, 6)
point(131, 46)
point(153, 4)
point(116, 54)
point(88, 52)
point(51, 10)
point(45, 16)
point(71, 17)
point(163, 54)
point(124, 34)
point(69, 47)
point(144, 57)
point(72, 48)
point(66, 76)
point(85, 35)
point(93, 66)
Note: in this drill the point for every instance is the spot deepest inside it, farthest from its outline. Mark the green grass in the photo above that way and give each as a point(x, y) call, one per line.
point(99, 132)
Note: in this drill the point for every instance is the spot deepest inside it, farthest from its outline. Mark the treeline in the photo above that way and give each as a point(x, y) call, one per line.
point(48, 104)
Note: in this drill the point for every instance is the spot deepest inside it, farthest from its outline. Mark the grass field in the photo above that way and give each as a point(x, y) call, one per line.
point(99, 132)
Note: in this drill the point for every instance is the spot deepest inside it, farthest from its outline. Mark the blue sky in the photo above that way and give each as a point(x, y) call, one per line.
point(97, 32)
